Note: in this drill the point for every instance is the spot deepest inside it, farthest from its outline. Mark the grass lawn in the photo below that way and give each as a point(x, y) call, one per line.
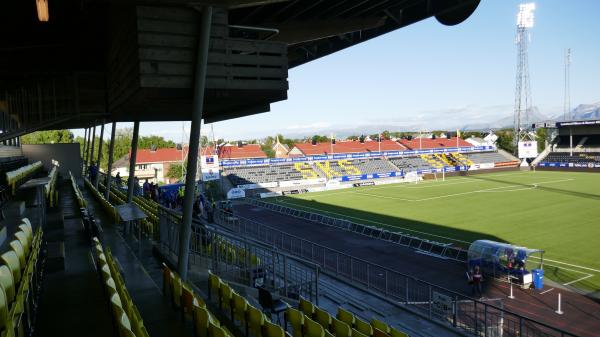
point(555, 211)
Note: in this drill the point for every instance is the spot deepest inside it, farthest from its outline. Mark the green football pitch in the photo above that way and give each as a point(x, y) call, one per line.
point(558, 212)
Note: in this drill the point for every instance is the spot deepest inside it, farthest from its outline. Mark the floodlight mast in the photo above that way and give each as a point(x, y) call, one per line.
point(522, 118)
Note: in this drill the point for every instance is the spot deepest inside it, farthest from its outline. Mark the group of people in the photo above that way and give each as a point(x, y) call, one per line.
point(150, 190)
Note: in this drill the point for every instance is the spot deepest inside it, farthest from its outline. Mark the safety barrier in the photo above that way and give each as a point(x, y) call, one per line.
point(429, 247)
point(80, 199)
point(243, 260)
point(428, 300)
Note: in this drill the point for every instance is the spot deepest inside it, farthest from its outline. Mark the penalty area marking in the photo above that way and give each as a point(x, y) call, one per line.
point(577, 280)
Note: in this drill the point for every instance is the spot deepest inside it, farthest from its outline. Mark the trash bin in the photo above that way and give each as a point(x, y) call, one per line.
point(538, 278)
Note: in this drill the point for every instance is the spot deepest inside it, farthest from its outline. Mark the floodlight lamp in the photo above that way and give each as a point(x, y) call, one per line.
point(525, 15)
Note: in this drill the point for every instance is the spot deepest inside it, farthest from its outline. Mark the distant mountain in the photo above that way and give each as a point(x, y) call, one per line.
point(508, 122)
point(587, 111)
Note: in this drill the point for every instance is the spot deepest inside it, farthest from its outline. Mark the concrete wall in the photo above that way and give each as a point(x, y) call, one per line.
point(65, 156)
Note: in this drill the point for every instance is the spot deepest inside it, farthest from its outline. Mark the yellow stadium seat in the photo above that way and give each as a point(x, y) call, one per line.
point(363, 327)
point(225, 298)
point(16, 247)
point(322, 317)
point(345, 316)
point(380, 325)
point(201, 321)
point(296, 319)
point(255, 319)
point(306, 307)
point(379, 333)
point(312, 328)
point(5, 317)
point(240, 304)
point(176, 291)
point(187, 300)
point(214, 283)
point(11, 260)
point(22, 238)
point(340, 329)
point(272, 330)
point(7, 283)
point(216, 331)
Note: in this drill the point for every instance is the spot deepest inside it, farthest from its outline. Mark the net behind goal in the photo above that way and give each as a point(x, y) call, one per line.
point(413, 177)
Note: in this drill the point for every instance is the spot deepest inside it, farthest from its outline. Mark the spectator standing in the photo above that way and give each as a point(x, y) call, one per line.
point(476, 279)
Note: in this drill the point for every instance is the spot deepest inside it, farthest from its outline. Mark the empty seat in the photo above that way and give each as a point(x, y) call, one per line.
point(306, 307)
point(363, 327)
point(312, 328)
point(345, 316)
point(340, 329)
point(11, 260)
point(380, 325)
point(296, 319)
point(322, 317)
point(255, 320)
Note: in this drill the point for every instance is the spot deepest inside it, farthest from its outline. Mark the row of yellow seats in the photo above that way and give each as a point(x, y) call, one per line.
point(80, 200)
point(20, 277)
point(15, 176)
point(105, 204)
point(253, 320)
point(125, 314)
point(51, 193)
point(183, 298)
point(345, 324)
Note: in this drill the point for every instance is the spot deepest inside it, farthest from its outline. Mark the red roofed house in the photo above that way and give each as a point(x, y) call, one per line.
point(346, 146)
point(245, 151)
point(154, 164)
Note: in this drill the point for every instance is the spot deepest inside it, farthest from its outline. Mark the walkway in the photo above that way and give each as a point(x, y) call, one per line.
point(73, 302)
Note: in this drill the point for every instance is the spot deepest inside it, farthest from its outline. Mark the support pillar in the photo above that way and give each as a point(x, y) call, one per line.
point(87, 152)
point(111, 150)
point(101, 141)
point(197, 108)
point(571, 142)
point(91, 161)
point(84, 147)
point(134, 143)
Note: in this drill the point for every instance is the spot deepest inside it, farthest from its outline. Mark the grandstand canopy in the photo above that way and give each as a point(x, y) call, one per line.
point(133, 60)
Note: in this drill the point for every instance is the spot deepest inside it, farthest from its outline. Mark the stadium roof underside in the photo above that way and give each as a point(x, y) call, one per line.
point(127, 60)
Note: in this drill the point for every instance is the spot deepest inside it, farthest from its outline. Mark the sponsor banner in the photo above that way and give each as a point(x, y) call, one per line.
point(209, 166)
point(482, 166)
point(269, 194)
point(338, 156)
point(257, 185)
point(567, 165)
point(444, 169)
point(576, 123)
point(236, 193)
point(301, 182)
point(299, 191)
point(528, 149)
point(364, 183)
point(372, 176)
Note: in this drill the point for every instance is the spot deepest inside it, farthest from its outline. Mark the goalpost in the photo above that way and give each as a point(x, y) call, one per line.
point(412, 177)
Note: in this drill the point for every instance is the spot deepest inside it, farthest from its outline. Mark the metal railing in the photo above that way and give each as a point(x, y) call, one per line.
point(242, 260)
point(428, 300)
point(430, 247)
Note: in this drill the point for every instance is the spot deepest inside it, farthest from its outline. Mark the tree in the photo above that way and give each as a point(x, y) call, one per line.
point(48, 137)
point(175, 170)
point(541, 136)
point(505, 140)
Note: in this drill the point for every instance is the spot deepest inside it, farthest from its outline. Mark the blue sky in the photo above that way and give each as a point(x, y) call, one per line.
point(429, 76)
